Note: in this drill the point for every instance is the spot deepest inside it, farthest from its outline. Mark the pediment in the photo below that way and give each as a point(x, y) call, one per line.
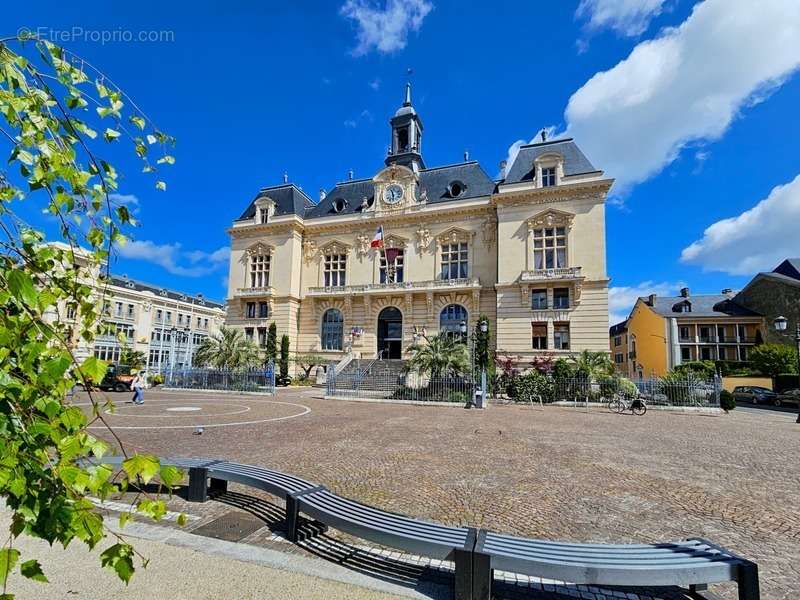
point(454, 235)
point(335, 247)
point(395, 241)
point(394, 173)
point(550, 218)
point(260, 248)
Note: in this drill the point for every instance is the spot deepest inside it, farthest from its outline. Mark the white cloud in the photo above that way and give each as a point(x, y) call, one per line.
point(169, 257)
point(385, 27)
point(126, 199)
point(513, 149)
point(375, 84)
point(622, 298)
point(364, 115)
point(685, 86)
point(756, 240)
point(625, 17)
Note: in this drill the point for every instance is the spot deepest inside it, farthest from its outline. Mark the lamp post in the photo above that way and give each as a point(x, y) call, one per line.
point(781, 323)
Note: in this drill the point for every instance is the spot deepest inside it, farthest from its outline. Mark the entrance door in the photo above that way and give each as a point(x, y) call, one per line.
point(390, 333)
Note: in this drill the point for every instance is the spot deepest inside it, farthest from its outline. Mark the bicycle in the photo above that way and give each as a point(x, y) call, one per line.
point(619, 404)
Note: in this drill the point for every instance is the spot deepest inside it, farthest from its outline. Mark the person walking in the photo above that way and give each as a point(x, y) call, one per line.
point(137, 386)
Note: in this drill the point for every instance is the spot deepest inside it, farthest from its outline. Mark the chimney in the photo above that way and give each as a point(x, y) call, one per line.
point(321, 194)
point(684, 292)
point(651, 300)
point(544, 135)
point(728, 293)
point(350, 174)
point(503, 167)
point(285, 177)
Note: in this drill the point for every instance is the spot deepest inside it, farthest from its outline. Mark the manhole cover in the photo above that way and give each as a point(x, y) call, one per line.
point(232, 526)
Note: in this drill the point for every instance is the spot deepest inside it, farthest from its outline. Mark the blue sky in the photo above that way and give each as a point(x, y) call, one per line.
point(690, 105)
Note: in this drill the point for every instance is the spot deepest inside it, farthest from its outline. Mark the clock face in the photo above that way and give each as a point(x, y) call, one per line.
point(393, 194)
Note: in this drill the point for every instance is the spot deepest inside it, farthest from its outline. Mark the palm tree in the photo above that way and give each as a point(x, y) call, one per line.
point(228, 349)
point(594, 364)
point(440, 355)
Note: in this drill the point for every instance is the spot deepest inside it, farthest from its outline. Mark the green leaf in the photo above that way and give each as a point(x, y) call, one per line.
point(141, 465)
point(32, 570)
point(8, 559)
point(138, 121)
point(160, 185)
point(170, 160)
point(94, 369)
point(170, 476)
point(119, 557)
point(110, 135)
point(21, 286)
point(124, 518)
point(182, 520)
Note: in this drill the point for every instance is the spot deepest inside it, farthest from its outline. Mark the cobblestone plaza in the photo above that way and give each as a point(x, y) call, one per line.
point(553, 472)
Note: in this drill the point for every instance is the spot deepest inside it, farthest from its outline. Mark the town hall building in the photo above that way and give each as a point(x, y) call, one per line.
point(415, 248)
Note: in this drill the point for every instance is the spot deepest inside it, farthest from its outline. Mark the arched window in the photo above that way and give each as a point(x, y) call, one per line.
point(260, 260)
point(332, 329)
point(450, 320)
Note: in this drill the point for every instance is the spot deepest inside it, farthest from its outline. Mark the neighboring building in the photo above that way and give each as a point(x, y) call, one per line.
point(664, 332)
point(167, 326)
point(775, 294)
point(618, 341)
point(528, 251)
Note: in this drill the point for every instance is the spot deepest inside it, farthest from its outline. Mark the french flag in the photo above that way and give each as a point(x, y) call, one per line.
point(377, 241)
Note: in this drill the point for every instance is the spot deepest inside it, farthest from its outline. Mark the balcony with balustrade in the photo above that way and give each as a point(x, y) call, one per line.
point(544, 275)
point(433, 285)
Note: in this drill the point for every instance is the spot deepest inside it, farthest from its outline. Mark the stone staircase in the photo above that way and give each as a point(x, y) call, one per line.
point(371, 378)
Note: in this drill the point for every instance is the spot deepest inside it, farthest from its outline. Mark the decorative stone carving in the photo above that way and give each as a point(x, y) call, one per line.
point(260, 248)
point(429, 304)
point(550, 218)
point(489, 229)
point(423, 239)
point(476, 302)
point(367, 306)
point(395, 241)
point(454, 235)
point(409, 301)
point(362, 244)
point(309, 250)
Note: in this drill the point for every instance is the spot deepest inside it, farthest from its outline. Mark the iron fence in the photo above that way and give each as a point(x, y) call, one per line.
point(260, 379)
point(666, 391)
point(390, 380)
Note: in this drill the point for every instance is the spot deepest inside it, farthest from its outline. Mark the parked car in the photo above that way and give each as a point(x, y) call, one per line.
point(754, 394)
point(787, 397)
point(117, 378)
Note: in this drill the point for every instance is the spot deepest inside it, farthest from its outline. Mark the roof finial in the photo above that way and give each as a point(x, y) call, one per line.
point(407, 101)
point(285, 177)
point(544, 135)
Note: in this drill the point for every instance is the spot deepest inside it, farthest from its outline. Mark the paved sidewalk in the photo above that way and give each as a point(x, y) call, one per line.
point(177, 571)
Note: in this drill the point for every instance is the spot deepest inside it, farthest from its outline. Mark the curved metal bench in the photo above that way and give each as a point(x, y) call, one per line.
point(693, 563)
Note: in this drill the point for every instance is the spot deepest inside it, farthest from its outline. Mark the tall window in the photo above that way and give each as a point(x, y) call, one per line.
point(684, 332)
point(455, 261)
point(561, 298)
point(71, 311)
point(550, 248)
point(561, 336)
point(259, 269)
point(263, 214)
point(248, 334)
point(332, 329)
point(392, 272)
point(335, 268)
point(548, 176)
point(539, 333)
point(251, 310)
point(686, 353)
point(450, 320)
point(262, 337)
point(538, 299)
point(130, 311)
point(263, 310)
point(159, 315)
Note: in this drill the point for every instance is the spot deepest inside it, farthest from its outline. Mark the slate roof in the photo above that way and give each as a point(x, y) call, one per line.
point(140, 286)
point(289, 199)
point(707, 305)
point(434, 182)
point(618, 329)
point(575, 161)
point(789, 268)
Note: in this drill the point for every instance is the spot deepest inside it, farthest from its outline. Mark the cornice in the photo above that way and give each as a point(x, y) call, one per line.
point(588, 190)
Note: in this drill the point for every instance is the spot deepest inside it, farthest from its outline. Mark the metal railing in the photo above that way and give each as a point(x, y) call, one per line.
point(260, 379)
point(389, 380)
point(666, 391)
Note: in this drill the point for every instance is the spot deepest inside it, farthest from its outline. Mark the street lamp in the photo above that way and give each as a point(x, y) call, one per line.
point(781, 324)
point(484, 326)
point(463, 327)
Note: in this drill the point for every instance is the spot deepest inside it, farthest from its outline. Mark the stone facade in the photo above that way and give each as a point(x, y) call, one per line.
point(775, 294)
point(450, 244)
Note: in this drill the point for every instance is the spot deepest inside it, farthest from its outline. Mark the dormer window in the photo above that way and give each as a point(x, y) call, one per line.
point(548, 176)
point(682, 307)
point(265, 209)
point(456, 189)
point(339, 205)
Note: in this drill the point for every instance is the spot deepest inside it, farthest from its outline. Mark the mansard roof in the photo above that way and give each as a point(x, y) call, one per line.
point(434, 182)
point(575, 161)
point(704, 305)
point(141, 286)
point(289, 199)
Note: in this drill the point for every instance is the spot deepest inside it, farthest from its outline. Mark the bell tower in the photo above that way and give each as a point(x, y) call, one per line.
point(406, 148)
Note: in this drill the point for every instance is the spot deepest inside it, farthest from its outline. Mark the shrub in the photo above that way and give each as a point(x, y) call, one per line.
point(156, 379)
point(702, 368)
point(533, 386)
point(458, 397)
point(726, 401)
point(302, 381)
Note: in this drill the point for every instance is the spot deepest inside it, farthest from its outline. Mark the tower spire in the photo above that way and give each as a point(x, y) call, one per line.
point(407, 101)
